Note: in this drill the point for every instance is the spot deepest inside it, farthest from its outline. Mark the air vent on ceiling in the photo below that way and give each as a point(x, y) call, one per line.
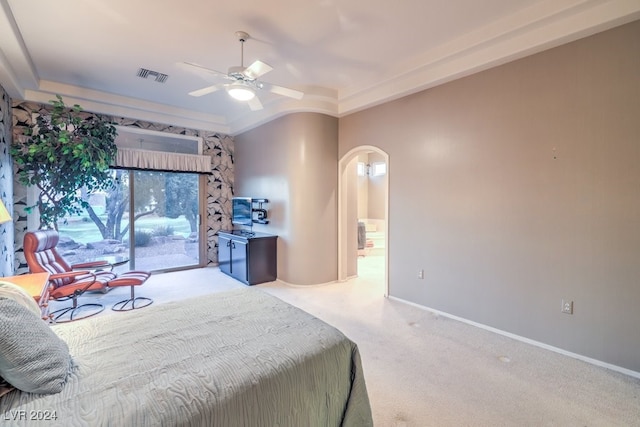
point(145, 74)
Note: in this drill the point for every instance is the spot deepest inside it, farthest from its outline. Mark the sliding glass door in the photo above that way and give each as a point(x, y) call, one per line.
point(150, 218)
point(166, 220)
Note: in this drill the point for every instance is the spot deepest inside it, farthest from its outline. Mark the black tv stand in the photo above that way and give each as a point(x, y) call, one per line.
point(248, 256)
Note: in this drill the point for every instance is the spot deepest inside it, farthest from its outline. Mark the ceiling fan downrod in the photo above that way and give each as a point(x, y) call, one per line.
point(242, 37)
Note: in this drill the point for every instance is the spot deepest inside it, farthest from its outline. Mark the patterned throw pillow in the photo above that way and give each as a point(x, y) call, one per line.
point(32, 357)
point(15, 292)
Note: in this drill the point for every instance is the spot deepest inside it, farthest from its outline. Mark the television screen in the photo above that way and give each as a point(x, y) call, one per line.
point(241, 212)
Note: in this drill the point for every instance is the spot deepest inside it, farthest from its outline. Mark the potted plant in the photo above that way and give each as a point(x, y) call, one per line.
point(63, 153)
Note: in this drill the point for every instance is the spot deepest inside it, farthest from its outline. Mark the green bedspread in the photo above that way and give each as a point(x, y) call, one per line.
point(237, 358)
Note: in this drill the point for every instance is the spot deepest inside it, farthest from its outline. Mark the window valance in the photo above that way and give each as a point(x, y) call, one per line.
point(129, 158)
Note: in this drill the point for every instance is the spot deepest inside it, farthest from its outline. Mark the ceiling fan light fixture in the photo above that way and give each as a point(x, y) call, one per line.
point(240, 91)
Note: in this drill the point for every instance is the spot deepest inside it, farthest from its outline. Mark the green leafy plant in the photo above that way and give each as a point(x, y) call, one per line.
point(64, 153)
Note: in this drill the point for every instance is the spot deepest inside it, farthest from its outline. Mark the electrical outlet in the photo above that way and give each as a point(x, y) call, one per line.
point(567, 307)
point(420, 274)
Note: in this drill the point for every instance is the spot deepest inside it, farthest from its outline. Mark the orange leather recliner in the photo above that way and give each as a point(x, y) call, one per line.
point(67, 283)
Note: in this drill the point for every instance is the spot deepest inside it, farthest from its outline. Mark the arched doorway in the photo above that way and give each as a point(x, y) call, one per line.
point(348, 216)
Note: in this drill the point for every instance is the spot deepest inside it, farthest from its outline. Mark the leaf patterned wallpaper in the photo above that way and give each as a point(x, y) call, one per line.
point(219, 186)
point(6, 185)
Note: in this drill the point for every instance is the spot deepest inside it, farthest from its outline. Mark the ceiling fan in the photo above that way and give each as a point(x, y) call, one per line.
point(244, 83)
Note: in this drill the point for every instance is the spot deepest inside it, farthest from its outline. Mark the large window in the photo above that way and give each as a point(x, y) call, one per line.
point(150, 216)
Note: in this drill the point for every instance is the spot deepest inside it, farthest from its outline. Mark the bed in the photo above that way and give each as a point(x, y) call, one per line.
point(235, 358)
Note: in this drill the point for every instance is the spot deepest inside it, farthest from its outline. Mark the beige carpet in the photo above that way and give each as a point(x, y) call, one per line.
point(426, 370)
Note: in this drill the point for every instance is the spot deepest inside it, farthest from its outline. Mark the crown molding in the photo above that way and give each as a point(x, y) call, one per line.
point(542, 26)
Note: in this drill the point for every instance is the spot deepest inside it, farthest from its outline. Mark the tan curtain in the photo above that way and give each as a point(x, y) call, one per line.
point(129, 158)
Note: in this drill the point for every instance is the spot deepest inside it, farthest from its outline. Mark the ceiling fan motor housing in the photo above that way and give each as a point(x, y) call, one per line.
point(237, 73)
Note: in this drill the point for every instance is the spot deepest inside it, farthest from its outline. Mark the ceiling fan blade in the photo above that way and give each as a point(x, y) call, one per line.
point(284, 91)
point(255, 104)
point(257, 69)
point(202, 71)
point(206, 90)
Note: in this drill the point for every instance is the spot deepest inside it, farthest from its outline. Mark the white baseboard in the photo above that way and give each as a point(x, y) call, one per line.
point(293, 285)
point(590, 360)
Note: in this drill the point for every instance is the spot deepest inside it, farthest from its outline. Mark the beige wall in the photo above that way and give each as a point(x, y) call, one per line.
point(292, 162)
point(377, 187)
point(363, 187)
point(518, 187)
point(371, 189)
point(353, 212)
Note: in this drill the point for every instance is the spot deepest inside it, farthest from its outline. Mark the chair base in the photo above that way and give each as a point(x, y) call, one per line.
point(130, 304)
point(75, 312)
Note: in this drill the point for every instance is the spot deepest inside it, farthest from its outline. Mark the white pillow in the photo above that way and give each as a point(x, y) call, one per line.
point(17, 293)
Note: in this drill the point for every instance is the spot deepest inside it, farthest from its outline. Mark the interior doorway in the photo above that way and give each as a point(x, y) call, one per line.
point(363, 213)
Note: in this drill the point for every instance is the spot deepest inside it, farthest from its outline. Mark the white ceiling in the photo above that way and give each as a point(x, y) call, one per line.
point(346, 55)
